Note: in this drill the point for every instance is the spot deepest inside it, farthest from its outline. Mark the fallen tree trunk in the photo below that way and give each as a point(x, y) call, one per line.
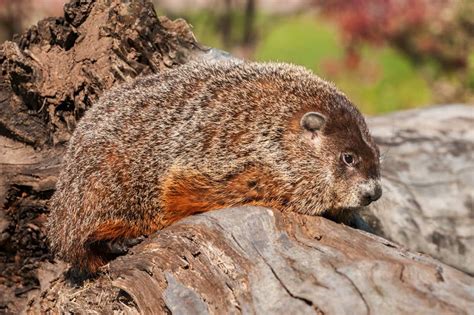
point(255, 260)
point(56, 70)
point(50, 76)
point(428, 180)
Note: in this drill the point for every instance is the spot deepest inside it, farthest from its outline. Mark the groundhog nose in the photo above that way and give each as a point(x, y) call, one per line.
point(372, 193)
point(377, 192)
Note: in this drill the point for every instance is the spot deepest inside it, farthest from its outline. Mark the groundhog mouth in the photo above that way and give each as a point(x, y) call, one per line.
point(342, 215)
point(343, 210)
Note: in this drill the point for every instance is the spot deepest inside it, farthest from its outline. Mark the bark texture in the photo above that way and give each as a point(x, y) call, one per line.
point(50, 76)
point(428, 180)
point(249, 260)
point(257, 261)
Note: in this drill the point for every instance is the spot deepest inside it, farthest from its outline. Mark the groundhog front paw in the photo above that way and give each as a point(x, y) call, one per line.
point(121, 246)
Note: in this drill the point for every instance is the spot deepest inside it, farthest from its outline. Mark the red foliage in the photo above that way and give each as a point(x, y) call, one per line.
point(379, 20)
point(421, 29)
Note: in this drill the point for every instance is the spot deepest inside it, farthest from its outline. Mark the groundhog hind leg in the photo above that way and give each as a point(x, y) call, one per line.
point(110, 240)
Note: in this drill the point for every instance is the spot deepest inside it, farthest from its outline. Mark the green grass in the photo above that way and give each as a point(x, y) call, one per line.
point(310, 42)
point(299, 41)
point(396, 86)
point(385, 80)
point(202, 23)
point(470, 78)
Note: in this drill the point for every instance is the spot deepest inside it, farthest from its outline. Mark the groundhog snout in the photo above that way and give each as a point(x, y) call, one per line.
point(370, 192)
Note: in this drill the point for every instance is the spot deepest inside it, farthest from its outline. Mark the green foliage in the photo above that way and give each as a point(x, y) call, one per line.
point(300, 41)
point(396, 86)
point(470, 79)
point(384, 81)
point(390, 84)
point(203, 24)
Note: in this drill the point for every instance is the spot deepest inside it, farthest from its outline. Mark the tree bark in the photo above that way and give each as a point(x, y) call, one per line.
point(258, 261)
point(428, 181)
point(50, 76)
point(248, 260)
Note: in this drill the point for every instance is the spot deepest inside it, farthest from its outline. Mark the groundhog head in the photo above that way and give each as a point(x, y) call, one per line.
point(340, 167)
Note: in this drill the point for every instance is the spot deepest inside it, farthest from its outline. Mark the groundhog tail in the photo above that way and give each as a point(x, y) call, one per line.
point(72, 247)
point(82, 255)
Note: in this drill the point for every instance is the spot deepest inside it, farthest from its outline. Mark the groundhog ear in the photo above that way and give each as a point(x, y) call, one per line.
point(312, 121)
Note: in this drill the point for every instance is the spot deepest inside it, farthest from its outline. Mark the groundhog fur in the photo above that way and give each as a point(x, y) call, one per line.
point(206, 136)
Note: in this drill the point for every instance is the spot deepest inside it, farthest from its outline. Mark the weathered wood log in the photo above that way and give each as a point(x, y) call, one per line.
point(428, 179)
point(56, 70)
point(49, 76)
point(254, 260)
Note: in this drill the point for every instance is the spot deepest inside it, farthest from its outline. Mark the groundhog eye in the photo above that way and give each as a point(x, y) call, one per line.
point(348, 159)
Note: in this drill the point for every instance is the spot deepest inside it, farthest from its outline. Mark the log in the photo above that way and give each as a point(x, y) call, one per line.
point(428, 180)
point(238, 260)
point(258, 261)
point(50, 76)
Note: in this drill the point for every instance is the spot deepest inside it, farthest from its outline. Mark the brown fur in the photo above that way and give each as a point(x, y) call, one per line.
point(203, 137)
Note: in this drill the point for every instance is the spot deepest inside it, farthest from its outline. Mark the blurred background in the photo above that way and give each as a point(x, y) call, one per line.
point(385, 54)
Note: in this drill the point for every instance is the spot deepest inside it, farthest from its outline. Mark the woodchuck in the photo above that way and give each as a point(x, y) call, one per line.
point(204, 136)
